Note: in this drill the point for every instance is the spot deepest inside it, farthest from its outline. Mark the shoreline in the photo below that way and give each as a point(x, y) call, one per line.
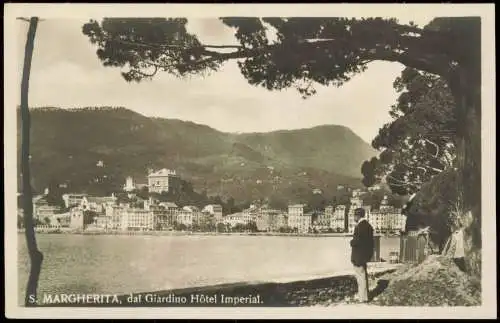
point(284, 292)
point(190, 233)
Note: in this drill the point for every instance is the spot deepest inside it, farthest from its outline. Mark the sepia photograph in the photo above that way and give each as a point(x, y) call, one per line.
point(332, 161)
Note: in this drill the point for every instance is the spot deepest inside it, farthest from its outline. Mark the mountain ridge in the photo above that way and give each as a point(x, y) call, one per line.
point(67, 144)
point(124, 109)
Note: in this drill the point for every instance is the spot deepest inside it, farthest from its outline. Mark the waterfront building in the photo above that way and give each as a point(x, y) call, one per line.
point(102, 222)
point(204, 220)
point(151, 202)
point(263, 216)
point(277, 221)
point(262, 221)
point(236, 218)
point(42, 209)
point(199, 217)
point(163, 180)
point(387, 219)
point(248, 215)
point(191, 208)
point(254, 212)
point(164, 218)
point(135, 219)
point(77, 218)
point(113, 213)
point(168, 205)
point(323, 220)
point(215, 210)
point(110, 210)
point(97, 204)
point(247, 218)
point(356, 202)
point(329, 212)
point(45, 211)
point(338, 222)
point(62, 219)
point(376, 220)
point(296, 210)
point(401, 222)
point(300, 222)
point(297, 219)
point(38, 201)
point(72, 199)
point(185, 216)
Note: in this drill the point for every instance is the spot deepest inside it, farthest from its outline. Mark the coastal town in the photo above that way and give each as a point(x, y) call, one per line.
point(83, 212)
point(270, 161)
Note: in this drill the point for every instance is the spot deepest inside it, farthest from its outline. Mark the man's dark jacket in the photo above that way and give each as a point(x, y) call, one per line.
point(362, 244)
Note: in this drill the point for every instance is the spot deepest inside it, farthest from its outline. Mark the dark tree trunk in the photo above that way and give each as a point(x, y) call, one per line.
point(466, 88)
point(35, 255)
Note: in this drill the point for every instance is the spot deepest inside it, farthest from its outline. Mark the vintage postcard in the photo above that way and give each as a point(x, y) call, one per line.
point(249, 161)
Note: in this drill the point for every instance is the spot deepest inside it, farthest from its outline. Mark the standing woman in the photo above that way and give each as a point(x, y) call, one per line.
point(455, 246)
point(459, 255)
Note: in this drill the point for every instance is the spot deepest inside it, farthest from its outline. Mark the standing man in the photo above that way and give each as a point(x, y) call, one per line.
point(362, 245)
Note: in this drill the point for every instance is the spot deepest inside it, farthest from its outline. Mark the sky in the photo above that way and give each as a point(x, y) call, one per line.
point(66, 73)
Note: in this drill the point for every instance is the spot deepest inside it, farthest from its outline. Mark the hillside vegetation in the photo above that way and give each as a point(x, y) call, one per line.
point(67, 145)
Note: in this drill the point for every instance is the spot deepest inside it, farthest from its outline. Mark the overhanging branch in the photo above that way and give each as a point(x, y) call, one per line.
point(369, 54)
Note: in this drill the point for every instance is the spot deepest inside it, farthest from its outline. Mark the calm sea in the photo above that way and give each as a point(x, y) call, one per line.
point(124, 264)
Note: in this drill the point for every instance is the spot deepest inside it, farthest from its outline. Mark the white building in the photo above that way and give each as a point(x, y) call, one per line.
point(77, 219)
point(214, 210)
point(377, 220)
point(296, 210)
point(72, 199)
point(236, 218)
point(277, 221)
point(114, 216)
point(135, 219)
point(191, 208)
point(356, 202)
point(60, 219)
point(323, 219)
point(168, 205)
point(41, 212)
point(300, 222)
point(387, 218)
point(163, 180)
point(97, 204)
point(187, 215)
point(129, 184)
point(338, 221)
point(297, 219)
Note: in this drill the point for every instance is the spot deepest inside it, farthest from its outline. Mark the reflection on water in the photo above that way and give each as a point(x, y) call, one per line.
point(123, 264)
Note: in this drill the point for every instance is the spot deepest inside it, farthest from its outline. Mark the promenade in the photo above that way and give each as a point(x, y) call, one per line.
point(63, 230)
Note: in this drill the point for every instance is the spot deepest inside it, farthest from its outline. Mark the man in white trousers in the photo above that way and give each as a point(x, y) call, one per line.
point(362, 245)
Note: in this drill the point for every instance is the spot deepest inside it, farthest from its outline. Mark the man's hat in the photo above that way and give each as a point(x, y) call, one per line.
point(359, 212)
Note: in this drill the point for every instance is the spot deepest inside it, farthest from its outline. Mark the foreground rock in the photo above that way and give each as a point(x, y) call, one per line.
point(435, 282)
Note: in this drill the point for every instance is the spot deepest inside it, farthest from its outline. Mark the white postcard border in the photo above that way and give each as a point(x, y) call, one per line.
point(72, 11)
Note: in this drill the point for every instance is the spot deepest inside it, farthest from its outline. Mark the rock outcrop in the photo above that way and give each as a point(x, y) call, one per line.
point(435, 282)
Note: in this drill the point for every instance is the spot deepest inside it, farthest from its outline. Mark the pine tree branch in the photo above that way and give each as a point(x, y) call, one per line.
point(378, 52)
